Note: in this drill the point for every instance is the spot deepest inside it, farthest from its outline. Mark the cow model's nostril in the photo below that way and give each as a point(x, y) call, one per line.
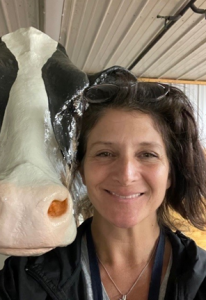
point(57, 208)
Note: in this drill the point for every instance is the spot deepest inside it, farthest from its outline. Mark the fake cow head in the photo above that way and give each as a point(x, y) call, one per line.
point(39, 111)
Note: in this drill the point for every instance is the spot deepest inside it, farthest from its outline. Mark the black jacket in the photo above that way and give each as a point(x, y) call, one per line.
point(57, 275)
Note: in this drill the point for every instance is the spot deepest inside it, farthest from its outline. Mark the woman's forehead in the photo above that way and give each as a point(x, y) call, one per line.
point(120, 124)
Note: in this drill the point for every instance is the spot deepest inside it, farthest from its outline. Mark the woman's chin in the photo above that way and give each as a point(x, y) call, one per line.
point(124, 223)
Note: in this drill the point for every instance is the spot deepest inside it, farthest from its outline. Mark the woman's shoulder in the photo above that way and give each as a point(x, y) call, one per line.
point(181, 241)
point(188, 271)
point(184, 245)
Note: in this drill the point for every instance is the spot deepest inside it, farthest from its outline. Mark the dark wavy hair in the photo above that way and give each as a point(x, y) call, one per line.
point(173, 116)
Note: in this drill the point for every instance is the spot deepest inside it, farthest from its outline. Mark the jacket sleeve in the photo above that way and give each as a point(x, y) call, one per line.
point(16, 284)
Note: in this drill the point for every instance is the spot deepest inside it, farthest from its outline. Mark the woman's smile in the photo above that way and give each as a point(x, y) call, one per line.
point(128, 196)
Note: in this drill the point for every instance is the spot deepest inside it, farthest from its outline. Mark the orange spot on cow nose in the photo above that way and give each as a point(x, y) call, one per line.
point(57, 208)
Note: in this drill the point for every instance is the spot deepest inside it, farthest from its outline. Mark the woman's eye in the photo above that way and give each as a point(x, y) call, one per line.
point(148, 155)
point(104, 154)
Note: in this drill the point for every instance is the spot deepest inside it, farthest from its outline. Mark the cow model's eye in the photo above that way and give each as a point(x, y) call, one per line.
point(62, 154)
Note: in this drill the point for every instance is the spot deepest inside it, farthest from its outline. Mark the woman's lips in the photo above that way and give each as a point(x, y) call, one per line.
point(129, 196)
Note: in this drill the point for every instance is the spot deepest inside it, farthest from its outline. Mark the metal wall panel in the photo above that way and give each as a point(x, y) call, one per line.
point(15, 14)
point(99, 34)
point(169, 57)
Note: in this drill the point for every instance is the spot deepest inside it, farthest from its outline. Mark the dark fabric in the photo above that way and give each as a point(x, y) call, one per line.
point(57, 275)
point(155, 282)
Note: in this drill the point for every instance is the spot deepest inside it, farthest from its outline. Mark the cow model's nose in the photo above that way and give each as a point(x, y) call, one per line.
point(34, 219)
point(57, 208)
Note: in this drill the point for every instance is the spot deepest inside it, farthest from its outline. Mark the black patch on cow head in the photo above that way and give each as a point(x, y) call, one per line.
point(64, 85)
point(8, 73)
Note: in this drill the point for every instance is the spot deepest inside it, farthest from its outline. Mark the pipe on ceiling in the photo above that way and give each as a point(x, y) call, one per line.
point(198, 10)
point(168, 25)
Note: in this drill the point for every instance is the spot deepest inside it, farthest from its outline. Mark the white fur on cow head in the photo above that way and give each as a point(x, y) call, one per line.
point(32, 170)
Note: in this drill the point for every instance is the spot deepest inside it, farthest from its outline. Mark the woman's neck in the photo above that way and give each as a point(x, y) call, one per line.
point(120, 246)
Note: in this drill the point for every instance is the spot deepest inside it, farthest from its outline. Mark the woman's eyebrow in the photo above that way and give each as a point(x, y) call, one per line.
point(151, 144)
point(141, 144)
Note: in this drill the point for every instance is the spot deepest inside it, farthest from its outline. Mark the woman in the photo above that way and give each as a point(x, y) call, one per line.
point(138, 156)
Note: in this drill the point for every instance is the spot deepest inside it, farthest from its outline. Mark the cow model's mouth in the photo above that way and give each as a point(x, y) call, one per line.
point(25, 251)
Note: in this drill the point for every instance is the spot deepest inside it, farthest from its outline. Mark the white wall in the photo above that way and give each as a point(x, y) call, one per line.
point(197, 96)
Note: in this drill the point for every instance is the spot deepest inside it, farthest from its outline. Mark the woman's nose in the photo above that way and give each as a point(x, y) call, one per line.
point(126, 171)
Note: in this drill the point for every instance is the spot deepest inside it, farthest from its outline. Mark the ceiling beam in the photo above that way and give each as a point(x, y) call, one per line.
point(176, 81)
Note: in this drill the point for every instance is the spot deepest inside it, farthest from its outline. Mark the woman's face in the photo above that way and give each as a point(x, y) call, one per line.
point(126, 169)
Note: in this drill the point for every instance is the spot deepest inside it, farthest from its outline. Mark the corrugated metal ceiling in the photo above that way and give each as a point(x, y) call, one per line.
point(100, 33)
